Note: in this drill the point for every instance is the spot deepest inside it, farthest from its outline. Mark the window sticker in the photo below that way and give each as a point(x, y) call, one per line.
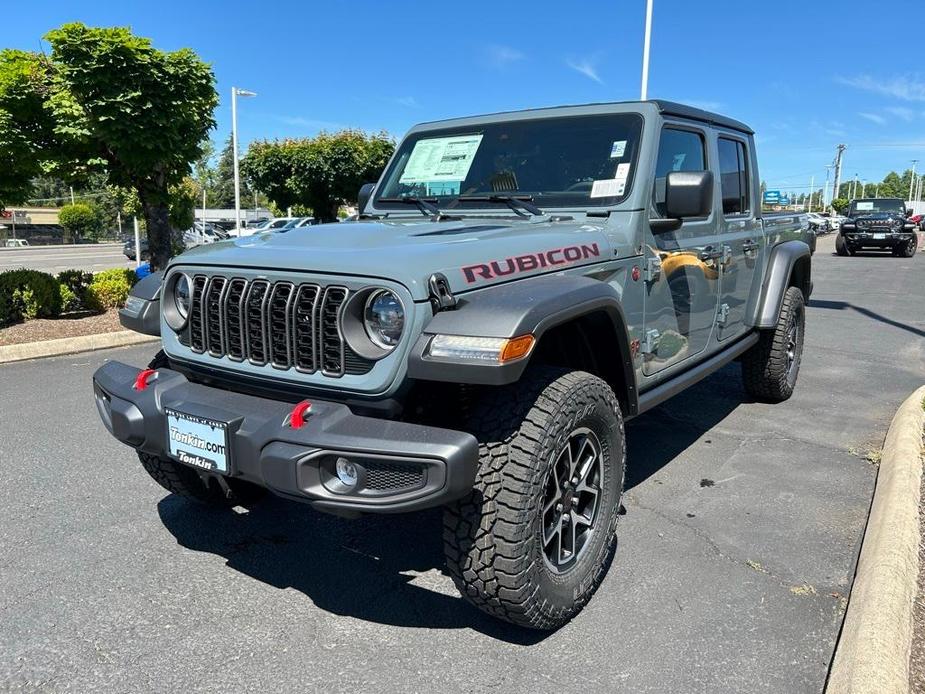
point(864, 206)
point(623, 172)
point(441, 159)
point(678, 161)
point(607, 188)
point(619, 147)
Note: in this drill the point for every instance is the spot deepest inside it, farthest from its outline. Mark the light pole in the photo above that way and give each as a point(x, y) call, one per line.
point(825, 190)
point(812, 184)
point(644, 92)
point(235, 93)
point(914, 162)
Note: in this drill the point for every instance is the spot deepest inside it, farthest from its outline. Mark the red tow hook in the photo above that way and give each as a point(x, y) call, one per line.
point(299, 413)
point(141, 381)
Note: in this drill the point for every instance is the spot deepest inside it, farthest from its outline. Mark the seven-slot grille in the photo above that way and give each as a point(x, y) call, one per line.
point(286, 325)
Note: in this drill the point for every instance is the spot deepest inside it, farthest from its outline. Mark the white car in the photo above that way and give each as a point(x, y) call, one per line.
point(16, 243)
point(818, 223)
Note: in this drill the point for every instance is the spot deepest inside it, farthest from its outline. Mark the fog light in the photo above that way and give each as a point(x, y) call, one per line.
point(346, 472)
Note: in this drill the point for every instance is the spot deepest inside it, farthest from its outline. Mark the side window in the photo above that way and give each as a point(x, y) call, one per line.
point(733, 170)
point(678, 150)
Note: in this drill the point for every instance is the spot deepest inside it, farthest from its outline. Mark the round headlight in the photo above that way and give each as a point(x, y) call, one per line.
point(384, 318)
point(181, 295)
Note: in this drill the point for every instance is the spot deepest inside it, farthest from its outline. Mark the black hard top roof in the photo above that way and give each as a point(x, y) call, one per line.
point(671, 108)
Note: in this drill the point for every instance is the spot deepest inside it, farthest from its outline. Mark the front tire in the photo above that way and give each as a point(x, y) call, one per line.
point(841, 246)
point(908, 250)
point(770, 368)
point(533, 540)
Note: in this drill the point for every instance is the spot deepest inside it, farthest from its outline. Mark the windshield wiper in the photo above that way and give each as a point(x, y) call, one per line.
point(425, 205)
point(518, 203)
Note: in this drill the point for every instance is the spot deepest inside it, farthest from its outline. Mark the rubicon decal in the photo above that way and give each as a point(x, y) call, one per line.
point(527, 263)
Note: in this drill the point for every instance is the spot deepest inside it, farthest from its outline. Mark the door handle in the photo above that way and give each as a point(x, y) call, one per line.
point(750, 248)
point(710, 253)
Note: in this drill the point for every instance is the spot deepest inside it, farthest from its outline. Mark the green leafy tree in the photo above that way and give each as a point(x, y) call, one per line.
point(25, 126)
point(222, 192)
point(138, 113)
point(80, 221)
point(841, 204)
point(321, 173)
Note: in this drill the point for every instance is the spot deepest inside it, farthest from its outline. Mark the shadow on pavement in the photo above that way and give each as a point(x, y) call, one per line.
point(659, 436)
point(366, 568)
point(844, 305)
point(360, 568)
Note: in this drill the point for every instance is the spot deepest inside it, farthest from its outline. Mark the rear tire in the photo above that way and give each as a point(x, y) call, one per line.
point(508, 546)
point(770, 368)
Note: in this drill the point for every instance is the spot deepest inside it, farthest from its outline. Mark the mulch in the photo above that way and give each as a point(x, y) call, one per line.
point(67, 325)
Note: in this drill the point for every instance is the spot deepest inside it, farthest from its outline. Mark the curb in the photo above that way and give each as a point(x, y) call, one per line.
point(72, 345)
point(873, 649)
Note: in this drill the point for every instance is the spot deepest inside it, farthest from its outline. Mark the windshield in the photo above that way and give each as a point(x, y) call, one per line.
point(573, 161)
point(877, 205)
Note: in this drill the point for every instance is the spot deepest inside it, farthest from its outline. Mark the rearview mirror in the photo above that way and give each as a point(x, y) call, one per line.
point(366, 192)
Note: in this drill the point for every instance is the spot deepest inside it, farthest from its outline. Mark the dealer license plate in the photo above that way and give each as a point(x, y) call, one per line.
point(879, 236)
point(197, 441)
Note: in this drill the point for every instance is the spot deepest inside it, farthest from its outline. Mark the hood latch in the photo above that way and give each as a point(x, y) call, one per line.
point(440, 295)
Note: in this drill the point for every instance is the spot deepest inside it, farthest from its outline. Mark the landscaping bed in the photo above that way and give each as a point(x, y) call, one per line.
point(69, 325)
point(36, 306)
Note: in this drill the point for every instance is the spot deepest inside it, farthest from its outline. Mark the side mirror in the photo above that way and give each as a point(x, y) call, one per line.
point(366, 192)
point(687, 194)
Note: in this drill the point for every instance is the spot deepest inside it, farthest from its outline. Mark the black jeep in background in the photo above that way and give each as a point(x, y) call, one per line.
point(877, 223)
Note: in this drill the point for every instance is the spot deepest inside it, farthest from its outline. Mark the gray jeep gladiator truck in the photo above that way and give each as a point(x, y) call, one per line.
point(877, 223)
point(517, 286)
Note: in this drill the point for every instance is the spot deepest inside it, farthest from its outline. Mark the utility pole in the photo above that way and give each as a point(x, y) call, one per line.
point(914, 162)
point(812, 185)
point(644, 91)
point(840, 150)
point(825, 190)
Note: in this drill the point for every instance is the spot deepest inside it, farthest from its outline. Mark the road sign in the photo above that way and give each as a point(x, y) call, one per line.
point(772, 197)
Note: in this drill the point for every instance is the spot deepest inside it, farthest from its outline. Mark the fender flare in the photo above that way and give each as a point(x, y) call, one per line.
point(531, 306)
point(142, 310)
point(784, 257)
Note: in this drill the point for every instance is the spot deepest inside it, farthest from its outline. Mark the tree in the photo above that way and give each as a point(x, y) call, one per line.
point(841, 204)
point(120, 105)
point(222, 191)
point(25, 127)
point(80, 221)
point(321, 172)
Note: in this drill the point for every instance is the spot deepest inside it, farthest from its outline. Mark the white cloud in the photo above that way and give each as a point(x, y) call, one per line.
point(907, 114)
point(905, 87)
point(873, 118)
point(586, 67)
point(408, 101)
point(500, 56)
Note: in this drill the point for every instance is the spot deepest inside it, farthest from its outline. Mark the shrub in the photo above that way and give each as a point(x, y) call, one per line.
point(28, 294)
point(75, 286)
point(110, 288)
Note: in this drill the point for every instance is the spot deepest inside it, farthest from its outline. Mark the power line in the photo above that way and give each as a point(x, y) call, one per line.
point(67, 197)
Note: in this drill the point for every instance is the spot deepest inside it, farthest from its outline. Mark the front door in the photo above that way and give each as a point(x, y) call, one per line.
point(683, 267)
point(742, 235)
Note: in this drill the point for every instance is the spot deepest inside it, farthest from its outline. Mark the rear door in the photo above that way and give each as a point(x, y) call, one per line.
point(742, 236)
point(682, 274)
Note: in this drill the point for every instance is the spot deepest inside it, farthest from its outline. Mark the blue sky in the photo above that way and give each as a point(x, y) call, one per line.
point(786, 68)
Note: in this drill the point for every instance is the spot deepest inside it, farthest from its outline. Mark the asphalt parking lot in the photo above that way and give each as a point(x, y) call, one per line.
point(735, 559)
point(54, 259)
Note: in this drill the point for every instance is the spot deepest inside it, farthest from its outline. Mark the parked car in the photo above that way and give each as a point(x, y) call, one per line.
point(128, 247)
point(818, 223)
point(877, 223)
point(519, 286)
point(274, 224)
point(16, 243)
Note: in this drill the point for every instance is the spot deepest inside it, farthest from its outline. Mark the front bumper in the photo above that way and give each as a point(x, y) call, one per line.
point(868, 240)
point(404, 467)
